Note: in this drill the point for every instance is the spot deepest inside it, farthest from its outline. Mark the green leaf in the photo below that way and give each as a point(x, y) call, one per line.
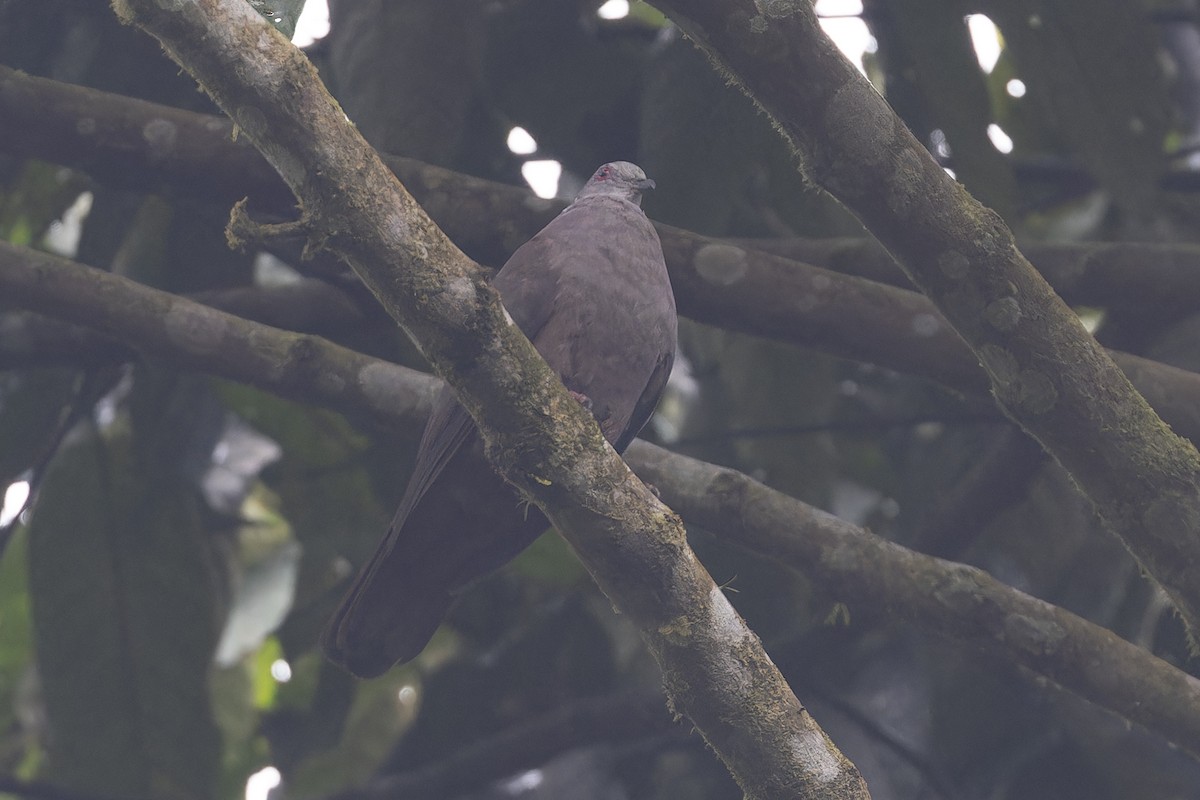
point(648, 15)
point(37, 195)
point(123, 588)
point(281, 13)
point(16, 638)
point(267, 564)
point(237, 715)
point(265, 687)
point(326, 493)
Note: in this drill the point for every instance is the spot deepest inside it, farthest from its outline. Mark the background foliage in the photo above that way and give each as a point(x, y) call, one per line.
point(159, 604)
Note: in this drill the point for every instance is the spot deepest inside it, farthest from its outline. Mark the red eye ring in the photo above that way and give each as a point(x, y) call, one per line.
point(602, 173)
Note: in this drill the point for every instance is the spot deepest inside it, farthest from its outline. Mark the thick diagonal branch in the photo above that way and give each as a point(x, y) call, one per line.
point(1046, 371)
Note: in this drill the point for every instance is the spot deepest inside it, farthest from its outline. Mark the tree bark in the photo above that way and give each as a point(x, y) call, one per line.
point(1045, 370)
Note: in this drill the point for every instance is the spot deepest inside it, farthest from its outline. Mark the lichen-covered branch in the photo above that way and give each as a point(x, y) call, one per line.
point(538, 437)
point(33, 340)
point(300, 366)
point(1045, 370)
point(874, 576)
point(870, 575)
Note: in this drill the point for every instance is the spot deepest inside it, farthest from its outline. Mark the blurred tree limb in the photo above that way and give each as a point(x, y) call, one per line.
point(106, 135)
point(735, 285)
point(870, 575)
point(1045, 370)
point(310, 306)
point(538, 437)
point(617, 718)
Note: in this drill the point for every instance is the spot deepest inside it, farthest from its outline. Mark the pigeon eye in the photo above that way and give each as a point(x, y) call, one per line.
point(603, 173)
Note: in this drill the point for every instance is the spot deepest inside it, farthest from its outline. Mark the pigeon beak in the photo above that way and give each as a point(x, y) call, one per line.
point(644, 184)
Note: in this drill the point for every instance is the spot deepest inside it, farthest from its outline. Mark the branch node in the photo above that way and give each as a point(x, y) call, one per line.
point(242, 231)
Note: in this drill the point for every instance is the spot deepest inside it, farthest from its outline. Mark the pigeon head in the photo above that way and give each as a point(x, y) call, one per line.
point(617, 179)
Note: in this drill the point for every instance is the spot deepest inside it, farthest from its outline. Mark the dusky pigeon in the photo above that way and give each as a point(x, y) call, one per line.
point(591, 292)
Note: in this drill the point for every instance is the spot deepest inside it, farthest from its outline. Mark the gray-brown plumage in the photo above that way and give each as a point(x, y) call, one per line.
point(591, 292)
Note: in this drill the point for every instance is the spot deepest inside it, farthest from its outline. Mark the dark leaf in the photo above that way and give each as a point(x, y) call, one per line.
point(123, 583)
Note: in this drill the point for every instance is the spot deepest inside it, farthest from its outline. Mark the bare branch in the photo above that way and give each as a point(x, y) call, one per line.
point(872, 576)
point(111, 137)
point(614, 718)
point(735, 285)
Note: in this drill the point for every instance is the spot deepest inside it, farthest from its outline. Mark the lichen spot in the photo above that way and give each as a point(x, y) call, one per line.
point(906, 188)
point(194, 328)
point(840, 557)
point(778, 9)
point(816, 753)
point(953, 264)
point(14, 334)
point(676, 631)
point(397, 227)
point(251, 119)
point(1041, 636)
point(169, 5)
point(160, 135)
point(806, 303)
point(861, 125)
point(721, 264)
point(289, 166)
point(331, 382)
point(265, 42)
point(461, 291)
point(1168, 512)
point(758, 24)
point(383, 384)
point(1000, 363)
point(926, 325)
point(1003, 314)
point(1038, 393)
point(959, 588)
point(724, 620)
